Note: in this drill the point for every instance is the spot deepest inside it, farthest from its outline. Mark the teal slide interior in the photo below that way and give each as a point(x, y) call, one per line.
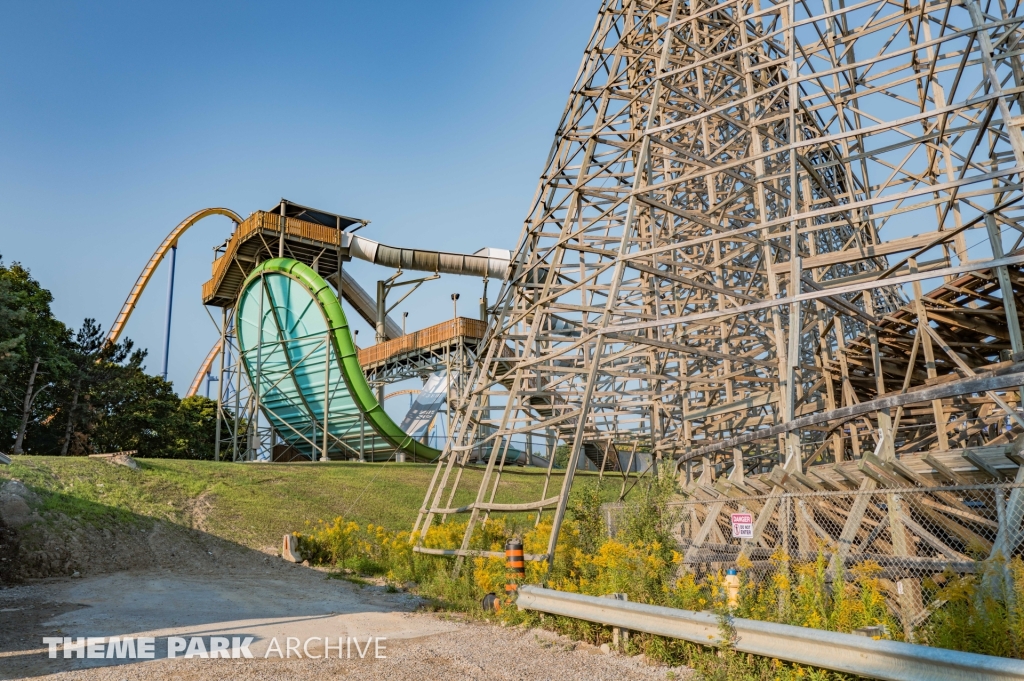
point(299, 354)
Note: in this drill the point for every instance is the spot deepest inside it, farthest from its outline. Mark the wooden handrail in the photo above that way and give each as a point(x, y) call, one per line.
point(424, 338)
point(261, 221)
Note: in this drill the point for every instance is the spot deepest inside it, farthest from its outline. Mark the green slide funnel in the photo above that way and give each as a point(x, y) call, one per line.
point(300, 358)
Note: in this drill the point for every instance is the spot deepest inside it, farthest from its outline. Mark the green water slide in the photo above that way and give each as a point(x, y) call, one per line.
point(299, 356)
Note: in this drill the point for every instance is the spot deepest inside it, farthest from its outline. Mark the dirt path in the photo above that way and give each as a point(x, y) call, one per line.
point(269, 599)
point(164, 581)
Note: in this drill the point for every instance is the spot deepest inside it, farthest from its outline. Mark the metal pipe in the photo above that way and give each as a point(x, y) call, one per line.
point(238, 406)
point(170, 302)
point(382, 293)
point(254, 423)
point(892, 660)
point(220, 382)
point(327, 393)
point(362, 436)
point(483, 303)
point(283, 222)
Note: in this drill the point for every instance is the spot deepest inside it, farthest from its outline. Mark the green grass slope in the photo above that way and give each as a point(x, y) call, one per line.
point(254, 504)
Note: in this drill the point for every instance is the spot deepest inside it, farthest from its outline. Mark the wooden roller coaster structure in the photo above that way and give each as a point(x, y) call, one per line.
point(777, 247)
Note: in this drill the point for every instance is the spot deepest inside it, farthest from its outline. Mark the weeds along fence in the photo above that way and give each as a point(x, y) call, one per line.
point(913, 539)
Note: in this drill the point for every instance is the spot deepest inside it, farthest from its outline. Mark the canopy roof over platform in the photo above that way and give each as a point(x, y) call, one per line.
point(317, 216)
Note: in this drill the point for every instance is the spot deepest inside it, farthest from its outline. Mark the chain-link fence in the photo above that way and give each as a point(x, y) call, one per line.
point(910, 532)
point(906, 535)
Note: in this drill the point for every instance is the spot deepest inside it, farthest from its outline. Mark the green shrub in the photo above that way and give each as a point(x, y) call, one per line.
point(981, 613)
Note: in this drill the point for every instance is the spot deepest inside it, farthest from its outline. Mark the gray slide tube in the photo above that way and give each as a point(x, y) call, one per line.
point(488, 262)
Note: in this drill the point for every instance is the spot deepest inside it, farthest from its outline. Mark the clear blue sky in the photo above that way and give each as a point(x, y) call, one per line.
point(431, 119)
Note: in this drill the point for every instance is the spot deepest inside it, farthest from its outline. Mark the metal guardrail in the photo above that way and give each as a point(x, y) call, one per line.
point(4, 459)
point(847, 653)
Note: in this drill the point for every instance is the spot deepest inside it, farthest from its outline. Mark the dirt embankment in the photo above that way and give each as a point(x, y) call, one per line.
point(37, 543)
point(10, 545)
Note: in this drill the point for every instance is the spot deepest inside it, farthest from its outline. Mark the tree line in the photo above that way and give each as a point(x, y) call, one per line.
point(67, 391)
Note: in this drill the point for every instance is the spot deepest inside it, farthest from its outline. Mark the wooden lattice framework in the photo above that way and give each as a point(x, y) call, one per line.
point(725, 259)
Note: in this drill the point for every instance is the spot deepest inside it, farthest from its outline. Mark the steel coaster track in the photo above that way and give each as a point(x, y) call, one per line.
point(171, 241)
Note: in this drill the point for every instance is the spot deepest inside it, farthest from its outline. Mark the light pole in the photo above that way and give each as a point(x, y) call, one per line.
point(455, 305)
point(383, 288)
point(405, 316)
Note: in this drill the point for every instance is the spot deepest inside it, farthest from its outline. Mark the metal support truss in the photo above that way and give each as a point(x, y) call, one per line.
point(239, 436)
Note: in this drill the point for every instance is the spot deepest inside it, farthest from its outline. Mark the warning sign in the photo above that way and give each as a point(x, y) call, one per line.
point(743, 525)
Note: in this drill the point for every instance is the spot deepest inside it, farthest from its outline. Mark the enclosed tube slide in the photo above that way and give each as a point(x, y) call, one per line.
point(298, 352)
point(488, 262)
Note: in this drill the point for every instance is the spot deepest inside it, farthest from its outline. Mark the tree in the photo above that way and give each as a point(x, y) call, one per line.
point(28, 331)
point(97, 366)
point(31, 393)
point(12, 335)
point(197, 423)
point(562, 453)
point(74, 393)
point(134, 411)
point(117, 406)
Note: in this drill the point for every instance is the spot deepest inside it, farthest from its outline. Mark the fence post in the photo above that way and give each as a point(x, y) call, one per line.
point(620, 636)
point(784, 514)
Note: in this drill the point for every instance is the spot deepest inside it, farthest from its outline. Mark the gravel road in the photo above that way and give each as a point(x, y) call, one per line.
point(270, 600)
point(473, 651)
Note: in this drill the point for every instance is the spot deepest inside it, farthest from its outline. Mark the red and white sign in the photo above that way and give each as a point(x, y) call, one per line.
point(743, 525)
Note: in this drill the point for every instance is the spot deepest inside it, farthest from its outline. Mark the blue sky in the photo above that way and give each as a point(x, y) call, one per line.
point(117, 120)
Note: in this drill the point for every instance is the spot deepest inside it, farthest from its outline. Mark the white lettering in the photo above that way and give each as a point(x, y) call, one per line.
point(327, 647)
point(121, 649)
point(145, 646)
point(377, 647)
point(53, 642)
point(305, 647)
point(273, 645)
point(289, 647)
point(175, 645)
point(94, 647)
point(241, 649)
point(196, 648)
point(360, 650)
point(219, 646)
point(78, 647)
